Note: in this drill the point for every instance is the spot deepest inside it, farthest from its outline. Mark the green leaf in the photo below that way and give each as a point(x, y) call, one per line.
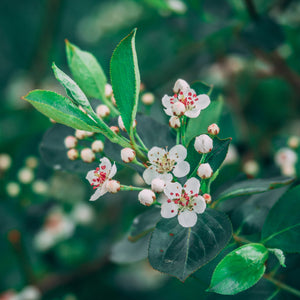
point(279, 255)
point(253, 186)
point(282, 226)
point(72, 89)
point(60, 109)
point(180, 251)
point(125, 79)
point(144, 223)
point(86, 71)
point(239, 270)
point(207, 116)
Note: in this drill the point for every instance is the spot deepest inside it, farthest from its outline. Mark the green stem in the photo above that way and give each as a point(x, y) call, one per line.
point(240, 239)
point(183, 128)
point(274, 294)
point(130, 188)
point(178, 132)
point(140, 141)
point(136, 162)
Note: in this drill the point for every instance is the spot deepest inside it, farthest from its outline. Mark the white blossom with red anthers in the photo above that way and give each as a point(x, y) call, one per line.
point(183, 201)
point(193, 103)
point(100, 177)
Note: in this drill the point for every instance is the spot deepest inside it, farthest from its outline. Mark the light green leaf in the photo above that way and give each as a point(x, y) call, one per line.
point(86, 71)
point(282, 226)
point(60, 109)
point(239, 270)
point(279, 255)
point(125, 79)
point(180, 251)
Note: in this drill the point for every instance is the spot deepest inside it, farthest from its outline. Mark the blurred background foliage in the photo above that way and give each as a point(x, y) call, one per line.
point(51, 236)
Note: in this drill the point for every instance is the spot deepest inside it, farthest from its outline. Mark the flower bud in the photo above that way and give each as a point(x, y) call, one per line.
point(127, 155)
point(148, 98)
point(72, 154)
point(31, 162)
point(40, 187)
point(70, 142)
point(146, 197)
point(174, 122)
point(293, 142)
point(25, 175)
point(180, 85)
point(80, 134)
point(288, 170)
point(203, 143)
point(115, 129)
point(87, 155)
point(13, 189)
point(205, 171)
point(121, 124)
point(113, 100)
point(251, 168)
point(157, 185)
point(108, 90)
point(5, 162)
point(213, 129)
point(285, 156)
point(113, 186)
point(97, 146)
point(207, 198)
point(178, 108)
point(89, 133)
point(30, 293)
point(102, 111)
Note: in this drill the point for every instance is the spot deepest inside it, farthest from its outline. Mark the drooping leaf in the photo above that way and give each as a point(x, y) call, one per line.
point(239, 270)
point(125, 79)
point(282, 227)
point(253, 186)
point(60, 109)
point(180, 251)
point(144, 223)
point(86, 71)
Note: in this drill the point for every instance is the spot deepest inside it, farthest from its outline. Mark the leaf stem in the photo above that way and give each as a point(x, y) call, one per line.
point(178, 132)
point(140, 141)
point(130, 188)
point(240, 239)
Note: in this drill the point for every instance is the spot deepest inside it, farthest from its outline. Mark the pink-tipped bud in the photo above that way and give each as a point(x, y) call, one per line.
point(251, 168)
point(180, 85)
point(213, 129)
point(70, 142)
point(102, 111)
point(146, 197)
point(205, 171)
point(72, 154)
point(108, 90)
point(178, 108)
point(97, 146)
point(115, 129)
point(113, 186)
point(127, 155)
point(157, 185)
point(148, 98)
point(87, 155)
point(203, 143)
point(174, 122)
point(121, 124)
point(80, 134)
point(207, 198)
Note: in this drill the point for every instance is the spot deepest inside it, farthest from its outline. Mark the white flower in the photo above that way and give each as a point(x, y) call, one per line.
point(146, 197)
point(163, 162)
point(5, 161)
point(174, 122)
point(127, 155)
point(82, 214)
point(148, 98)
point(70, 142)
point(193, 104)
point(203, 143)
point(25, 175)
point(113, 186)
point(285, 156)
point(13, 189)
point(87, 155)
point(213, 129)
point(30, 293)
point(103, 111)
point(184, 202)
point(205, 171)
point(157, 185)
point(72, 154)
point(97, 146)
point(99, 178)
point(178, 108)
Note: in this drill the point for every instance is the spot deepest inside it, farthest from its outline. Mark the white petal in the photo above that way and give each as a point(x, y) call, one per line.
point(199, 205)
point(150, 174)
point(166, 101)
point(99, 192)
point(113, 171)
point(155, 153)
point(193, 113)
point(187, 218)
point(169, 210)
point(90, 176)
point(192, 186)
point(178, 153)
point(203, 101)
point(169, 111)
point(166, 177)
point(162, 198)
point(173, 190)
point(181, 169)
point(105, 165)
point(181, 85)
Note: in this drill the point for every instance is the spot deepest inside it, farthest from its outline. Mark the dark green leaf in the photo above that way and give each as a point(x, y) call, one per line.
point(239, 270)
point(282, 227)
point(125, 79)
point(180, 251)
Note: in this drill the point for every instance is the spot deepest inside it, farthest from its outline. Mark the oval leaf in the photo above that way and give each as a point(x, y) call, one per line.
point(180, 251)
point(239, 270)
point(125, 79)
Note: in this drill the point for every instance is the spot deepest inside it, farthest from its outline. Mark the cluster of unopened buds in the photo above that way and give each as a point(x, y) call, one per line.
point(165, 167)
